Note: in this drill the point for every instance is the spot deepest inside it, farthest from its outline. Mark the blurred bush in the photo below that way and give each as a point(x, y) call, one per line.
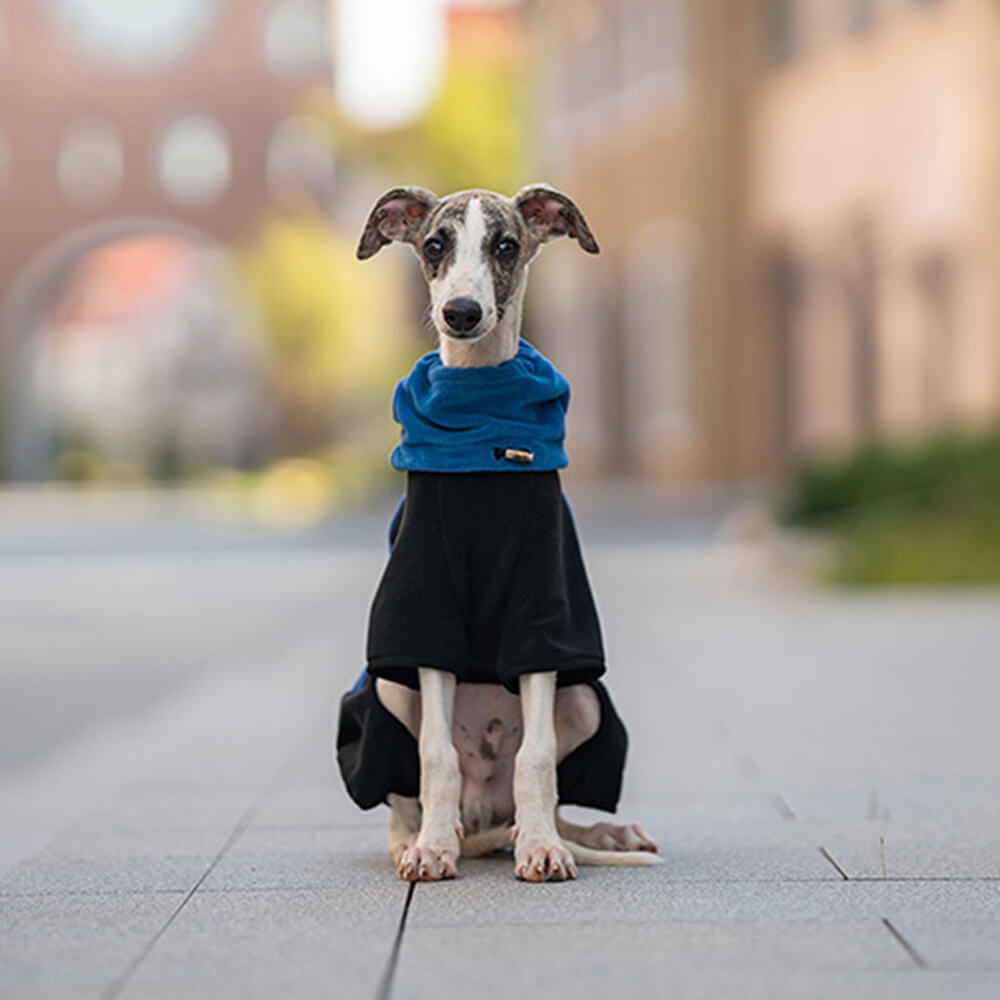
point(906, 513)
point(293, 494)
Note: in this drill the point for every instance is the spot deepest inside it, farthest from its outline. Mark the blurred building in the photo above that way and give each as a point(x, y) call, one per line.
point(142, 362)
point(874, 190)
point(797, 202)
point(645, 126)
point(170, 116)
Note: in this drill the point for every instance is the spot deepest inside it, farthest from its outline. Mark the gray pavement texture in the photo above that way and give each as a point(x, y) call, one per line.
point(821, 771)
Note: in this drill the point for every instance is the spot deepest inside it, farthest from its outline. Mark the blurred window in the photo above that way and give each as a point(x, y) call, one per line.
point(590, 58)
point(785, 278)
point(299, 157)
point(782, 39)
point(138, 34)
point(5, 159)
point(295, 37)
point(657, 314)
point(859, 16)
point(91, 162)
point(654, 39)
point(935, 278)
point(861, 297)
point(194, 161)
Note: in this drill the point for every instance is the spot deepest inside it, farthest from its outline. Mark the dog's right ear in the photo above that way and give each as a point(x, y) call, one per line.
point(397, 215)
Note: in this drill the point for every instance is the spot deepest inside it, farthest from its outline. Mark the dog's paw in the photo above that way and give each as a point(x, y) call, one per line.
point(542, 859)
point(429, 860)
point(609, 837)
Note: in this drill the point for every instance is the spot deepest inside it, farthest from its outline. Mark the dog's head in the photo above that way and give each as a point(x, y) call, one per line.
point(475, 247)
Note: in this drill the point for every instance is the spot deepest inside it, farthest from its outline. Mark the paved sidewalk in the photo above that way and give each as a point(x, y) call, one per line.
point(822, 773)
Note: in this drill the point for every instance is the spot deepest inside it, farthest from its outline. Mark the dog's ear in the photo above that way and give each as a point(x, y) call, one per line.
point(549, 213)
point(397, 215)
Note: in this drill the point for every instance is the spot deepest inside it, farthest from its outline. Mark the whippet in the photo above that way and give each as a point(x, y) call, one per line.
point(488, 755)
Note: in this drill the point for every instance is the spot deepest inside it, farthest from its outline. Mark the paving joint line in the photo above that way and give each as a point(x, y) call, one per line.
point(242, 825)
point(119, 984)
point(783, 809)
point(829, 857)
point(918, 960)
point(389, 974)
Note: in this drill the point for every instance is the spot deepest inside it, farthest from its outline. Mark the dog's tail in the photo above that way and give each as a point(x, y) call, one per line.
point(475, 845)
point(610, 859)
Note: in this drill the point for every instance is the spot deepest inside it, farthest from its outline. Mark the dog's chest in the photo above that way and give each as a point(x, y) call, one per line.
point(487, 732)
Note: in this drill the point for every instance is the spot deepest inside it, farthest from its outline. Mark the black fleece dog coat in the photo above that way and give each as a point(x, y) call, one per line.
point(484, 579)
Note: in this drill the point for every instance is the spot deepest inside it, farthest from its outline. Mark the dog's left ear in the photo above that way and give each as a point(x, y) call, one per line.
point(549, 213)
point(397, 215)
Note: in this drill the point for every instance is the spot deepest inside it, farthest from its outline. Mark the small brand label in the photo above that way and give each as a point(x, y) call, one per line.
point(519, 455)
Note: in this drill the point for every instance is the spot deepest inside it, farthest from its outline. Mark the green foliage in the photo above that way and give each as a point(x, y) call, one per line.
point(77, 466)
point(924, 475)
point(473, 134)
point(334, 330)
point(960, 547)
point(927, 512)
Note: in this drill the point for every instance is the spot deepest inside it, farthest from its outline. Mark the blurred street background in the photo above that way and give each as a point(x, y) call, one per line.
point(790, 341)
point(798, 203)
point(786, 417)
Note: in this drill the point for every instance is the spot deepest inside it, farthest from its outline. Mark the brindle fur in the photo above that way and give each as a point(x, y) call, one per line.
point(414, 215)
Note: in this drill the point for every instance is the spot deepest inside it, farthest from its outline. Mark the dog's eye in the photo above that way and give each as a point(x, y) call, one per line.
point(433, 249)
point(506, 249)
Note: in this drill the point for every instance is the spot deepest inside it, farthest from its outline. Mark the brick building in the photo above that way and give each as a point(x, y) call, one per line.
point(797, 202)
point(174, 116)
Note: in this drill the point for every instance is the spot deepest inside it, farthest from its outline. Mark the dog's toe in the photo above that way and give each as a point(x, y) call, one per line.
point(406, 868)
point(608, 837)
point(427, 864)
point(560, 865)
point(544, 863)
point(640, 840)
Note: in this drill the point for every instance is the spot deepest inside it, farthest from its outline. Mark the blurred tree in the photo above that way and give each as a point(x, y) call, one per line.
point(335, 331)
point(474, 133)
point(342, 334)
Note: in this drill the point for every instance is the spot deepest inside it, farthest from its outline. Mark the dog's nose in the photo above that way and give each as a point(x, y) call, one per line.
point(462, 315)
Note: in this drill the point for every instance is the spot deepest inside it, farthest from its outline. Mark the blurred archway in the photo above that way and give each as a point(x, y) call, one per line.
point(126, 346)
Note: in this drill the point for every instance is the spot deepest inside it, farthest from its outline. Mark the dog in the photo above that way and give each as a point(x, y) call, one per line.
point(488, 752)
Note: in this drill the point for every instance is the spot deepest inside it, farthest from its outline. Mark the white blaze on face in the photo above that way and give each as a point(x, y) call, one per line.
point(468, 276)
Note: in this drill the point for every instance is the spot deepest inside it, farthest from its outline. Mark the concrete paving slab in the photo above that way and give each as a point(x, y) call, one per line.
point(642, 982)
point(294, 943)
point(313, 857)
point(940, 852)
point(761, 724)
point(116, 862)
point(59, 947)
point(488, 892)
point(617, 959)
point(704, 857)
point(957, 944)
point(320, 804)
point(156, 805)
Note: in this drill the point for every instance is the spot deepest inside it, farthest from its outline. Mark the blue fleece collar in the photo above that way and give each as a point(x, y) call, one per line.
point(481, 419)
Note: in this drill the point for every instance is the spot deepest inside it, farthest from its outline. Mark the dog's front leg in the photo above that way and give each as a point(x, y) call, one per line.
point(434, 855)
point(538, 852)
